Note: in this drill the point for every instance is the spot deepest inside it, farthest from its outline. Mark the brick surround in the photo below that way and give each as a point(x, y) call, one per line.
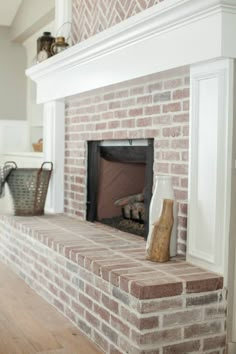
point(155, 106)
point(93, 16)
point(98, 278)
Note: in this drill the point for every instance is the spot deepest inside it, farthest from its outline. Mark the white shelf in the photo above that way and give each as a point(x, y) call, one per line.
point(25, 154)
point(36, 125)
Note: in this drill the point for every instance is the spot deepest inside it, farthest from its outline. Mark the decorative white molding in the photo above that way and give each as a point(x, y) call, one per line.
point(152, 41)
point(53, 140)
point(210, 168)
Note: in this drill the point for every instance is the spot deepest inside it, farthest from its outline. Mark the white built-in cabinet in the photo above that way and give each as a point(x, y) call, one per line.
point(34, 110)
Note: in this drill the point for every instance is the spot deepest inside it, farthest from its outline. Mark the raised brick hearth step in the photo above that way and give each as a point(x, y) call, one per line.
point(99, 278)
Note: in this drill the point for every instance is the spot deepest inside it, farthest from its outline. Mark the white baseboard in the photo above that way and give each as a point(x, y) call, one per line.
point(231, 348)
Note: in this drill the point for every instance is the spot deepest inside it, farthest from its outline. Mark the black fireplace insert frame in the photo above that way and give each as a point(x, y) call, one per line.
point(130, 153)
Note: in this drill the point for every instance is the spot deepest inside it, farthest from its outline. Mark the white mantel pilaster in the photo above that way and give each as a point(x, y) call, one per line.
point(210, 167)
point(54, 132)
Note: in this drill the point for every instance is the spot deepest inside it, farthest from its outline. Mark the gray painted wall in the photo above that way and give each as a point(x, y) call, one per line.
point(12, 77)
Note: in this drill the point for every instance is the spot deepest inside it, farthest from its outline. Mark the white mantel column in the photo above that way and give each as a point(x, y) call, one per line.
point(210, 164)
point(63, 17)
point(54, 131)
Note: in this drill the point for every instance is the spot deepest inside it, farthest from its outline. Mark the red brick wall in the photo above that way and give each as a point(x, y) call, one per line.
point(94, 16)
point(155, 106)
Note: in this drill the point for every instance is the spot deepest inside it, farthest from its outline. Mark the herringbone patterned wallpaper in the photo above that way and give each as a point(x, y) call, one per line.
point(93, 16)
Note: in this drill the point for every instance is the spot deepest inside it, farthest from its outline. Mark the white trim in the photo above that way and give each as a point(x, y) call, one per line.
point(35, 155)
point(152, 41)
point(231, 348)
point(13, 122)
point(210, 173)
point(53, 151)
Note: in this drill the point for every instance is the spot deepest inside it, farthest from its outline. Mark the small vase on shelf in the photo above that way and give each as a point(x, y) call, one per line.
point(163, 189)
point(159, 245)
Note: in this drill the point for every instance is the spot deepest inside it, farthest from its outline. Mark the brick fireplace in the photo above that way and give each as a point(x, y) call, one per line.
point(145, 78)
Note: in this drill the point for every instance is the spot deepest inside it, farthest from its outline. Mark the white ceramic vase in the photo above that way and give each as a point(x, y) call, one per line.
point(163, 190)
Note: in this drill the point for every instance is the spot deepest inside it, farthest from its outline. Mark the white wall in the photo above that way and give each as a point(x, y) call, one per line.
point(12, 78)
point(13, 136)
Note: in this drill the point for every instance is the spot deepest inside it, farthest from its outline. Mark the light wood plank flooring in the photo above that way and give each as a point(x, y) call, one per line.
point(29, 325)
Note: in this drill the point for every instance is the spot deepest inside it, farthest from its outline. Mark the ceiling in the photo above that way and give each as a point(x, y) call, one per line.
point(8, 9)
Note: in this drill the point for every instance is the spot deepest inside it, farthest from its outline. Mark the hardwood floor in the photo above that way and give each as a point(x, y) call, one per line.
point(29, 325)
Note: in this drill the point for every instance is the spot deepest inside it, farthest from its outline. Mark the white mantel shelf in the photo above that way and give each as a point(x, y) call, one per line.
point(172, 34)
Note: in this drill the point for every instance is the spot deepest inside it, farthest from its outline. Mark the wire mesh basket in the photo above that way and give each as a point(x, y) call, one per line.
point(28, 188)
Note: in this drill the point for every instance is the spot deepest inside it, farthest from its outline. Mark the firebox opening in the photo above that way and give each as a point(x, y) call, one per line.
point(120, 176)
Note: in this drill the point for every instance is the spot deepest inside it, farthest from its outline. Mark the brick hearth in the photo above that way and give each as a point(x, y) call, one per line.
point(98, 277)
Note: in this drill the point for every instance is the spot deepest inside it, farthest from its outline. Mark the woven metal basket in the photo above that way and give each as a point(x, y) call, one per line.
point(28, 188)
